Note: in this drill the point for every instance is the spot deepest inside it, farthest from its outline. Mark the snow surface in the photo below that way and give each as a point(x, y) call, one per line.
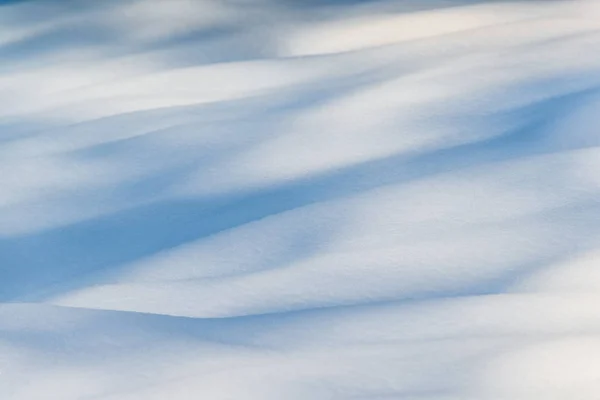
point(266, 199)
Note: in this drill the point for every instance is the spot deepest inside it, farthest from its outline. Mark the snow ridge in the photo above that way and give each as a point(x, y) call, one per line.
point(287, 200)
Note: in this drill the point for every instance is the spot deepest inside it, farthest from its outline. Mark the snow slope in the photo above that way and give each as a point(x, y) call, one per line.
point(299, 200)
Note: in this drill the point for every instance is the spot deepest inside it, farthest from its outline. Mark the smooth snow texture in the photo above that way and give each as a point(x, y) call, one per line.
point(299, 200)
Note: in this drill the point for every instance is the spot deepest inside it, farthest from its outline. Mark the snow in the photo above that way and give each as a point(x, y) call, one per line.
point(299, 200)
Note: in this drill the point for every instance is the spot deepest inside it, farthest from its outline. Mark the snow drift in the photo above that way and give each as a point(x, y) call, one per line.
point(299, 200)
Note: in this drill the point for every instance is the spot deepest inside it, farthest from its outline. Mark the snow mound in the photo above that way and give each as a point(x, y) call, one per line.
point(299, 200)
